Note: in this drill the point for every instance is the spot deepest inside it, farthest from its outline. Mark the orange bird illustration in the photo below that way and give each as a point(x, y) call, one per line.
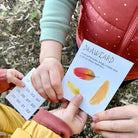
point(84, 73)
point(101, 94)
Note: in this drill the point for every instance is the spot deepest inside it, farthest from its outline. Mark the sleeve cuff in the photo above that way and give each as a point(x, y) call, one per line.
point(50, 34)
point(52, 122)
point(3, 81)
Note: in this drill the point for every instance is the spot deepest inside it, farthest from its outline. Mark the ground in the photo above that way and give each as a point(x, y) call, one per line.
point(20, 47)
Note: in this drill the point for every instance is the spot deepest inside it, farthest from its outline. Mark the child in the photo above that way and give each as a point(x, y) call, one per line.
point(102, 22)
point(65, 121)
point(60, 122)
point(9, 118)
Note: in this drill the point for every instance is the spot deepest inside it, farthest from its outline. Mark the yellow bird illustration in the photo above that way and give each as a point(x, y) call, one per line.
point(73, 88)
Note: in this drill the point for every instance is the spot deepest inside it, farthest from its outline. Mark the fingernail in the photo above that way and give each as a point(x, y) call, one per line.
point(79, 96)
point(94, 118)
point(23, 84)
point(60, 96)
point(93, 125)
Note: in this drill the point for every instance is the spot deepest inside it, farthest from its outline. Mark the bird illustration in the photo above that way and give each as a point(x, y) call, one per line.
point(101, 94)
point(73, 88)
point(84, 73)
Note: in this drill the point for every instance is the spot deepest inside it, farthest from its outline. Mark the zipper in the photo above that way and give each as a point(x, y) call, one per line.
point(129, 33)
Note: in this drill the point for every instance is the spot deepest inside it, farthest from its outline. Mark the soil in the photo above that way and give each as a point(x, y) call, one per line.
point(20, 47)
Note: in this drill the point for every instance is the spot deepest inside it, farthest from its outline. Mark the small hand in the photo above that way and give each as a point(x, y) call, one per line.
point(15, 77)
point(118, 122)
point(71, 114)
point(47, 78)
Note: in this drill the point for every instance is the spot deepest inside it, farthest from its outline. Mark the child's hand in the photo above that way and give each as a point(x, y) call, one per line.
point(70, 113)
point(47, 78)
point(119, 122)
point(15, 77)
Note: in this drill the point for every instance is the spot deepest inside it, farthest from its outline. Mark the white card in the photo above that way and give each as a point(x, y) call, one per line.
point(96, 73)
point(25, 100)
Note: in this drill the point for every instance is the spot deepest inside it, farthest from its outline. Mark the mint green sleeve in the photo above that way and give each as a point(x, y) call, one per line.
point(55, 20)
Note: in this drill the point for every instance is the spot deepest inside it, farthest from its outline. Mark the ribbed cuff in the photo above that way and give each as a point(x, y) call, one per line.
point(52, 122)
point(3, 80)
point(53, 34)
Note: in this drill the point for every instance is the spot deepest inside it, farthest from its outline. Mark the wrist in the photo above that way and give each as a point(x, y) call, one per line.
point(47, 59)
point(50, 49)
point(7, 75)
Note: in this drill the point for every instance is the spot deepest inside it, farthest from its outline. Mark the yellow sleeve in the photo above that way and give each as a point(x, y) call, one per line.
point(32, 129)
point(10, 120)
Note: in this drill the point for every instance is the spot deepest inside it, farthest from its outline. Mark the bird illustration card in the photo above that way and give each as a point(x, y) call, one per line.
point(96, 74)
point(25, 100)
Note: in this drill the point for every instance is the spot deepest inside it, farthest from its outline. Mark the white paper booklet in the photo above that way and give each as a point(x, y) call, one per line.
point(25, 100)
point(96, 73)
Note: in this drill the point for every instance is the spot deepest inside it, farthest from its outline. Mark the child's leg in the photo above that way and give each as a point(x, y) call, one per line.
point(9, 119)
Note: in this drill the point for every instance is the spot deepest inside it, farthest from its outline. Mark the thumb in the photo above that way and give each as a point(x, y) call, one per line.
point(74, 104)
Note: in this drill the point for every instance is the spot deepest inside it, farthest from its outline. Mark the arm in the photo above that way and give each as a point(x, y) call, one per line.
point(62, 122)
point(54, 26)
point(32, 129)
point(10, 120)
point(56, 18)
